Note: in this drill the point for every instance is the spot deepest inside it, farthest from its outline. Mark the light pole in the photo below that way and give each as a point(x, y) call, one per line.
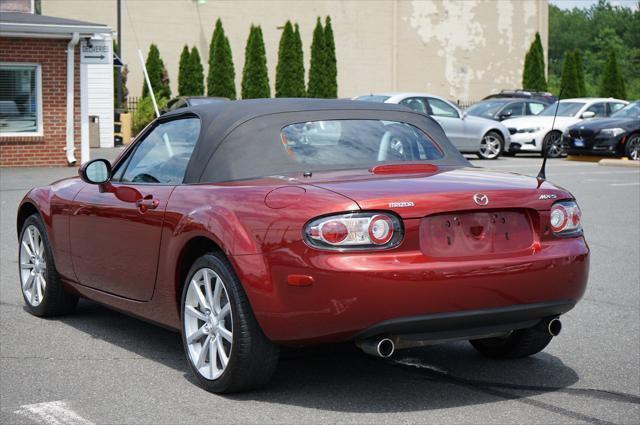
point(119, 53)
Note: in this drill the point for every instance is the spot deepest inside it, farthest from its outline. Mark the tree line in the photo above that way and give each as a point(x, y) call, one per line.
point(592, 52)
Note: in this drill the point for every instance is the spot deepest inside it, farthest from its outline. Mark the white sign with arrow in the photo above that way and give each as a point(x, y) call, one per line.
point(95, 52)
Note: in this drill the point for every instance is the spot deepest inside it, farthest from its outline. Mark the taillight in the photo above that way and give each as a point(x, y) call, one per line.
point(565, 218)
point(368, 230)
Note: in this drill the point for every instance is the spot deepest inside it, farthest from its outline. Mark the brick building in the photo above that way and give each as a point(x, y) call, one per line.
point(43, 89)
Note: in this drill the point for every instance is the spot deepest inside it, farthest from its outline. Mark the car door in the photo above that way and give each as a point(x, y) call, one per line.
point(115, 228)
point(451, 122)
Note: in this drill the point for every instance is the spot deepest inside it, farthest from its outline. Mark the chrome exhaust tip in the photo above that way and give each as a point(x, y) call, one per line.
point(554, 327)
point(383, 347)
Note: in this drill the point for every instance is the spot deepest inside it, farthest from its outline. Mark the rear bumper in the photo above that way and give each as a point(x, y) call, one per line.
point(355, 293)
point(468, 324)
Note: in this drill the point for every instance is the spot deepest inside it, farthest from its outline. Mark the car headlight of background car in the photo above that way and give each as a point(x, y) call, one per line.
point(529, 130)
point(612, 132)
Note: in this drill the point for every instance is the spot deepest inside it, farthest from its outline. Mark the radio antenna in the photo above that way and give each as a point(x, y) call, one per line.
point(542, 175)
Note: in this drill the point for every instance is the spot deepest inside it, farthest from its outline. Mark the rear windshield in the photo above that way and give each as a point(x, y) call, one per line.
point(339, 142)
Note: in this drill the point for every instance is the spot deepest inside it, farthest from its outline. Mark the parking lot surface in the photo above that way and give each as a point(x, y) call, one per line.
point(99, 366)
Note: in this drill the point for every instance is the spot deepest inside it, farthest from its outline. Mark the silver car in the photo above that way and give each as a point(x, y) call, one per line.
point(484, 137)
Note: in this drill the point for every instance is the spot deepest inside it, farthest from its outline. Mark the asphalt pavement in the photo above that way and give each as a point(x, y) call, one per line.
point(99, 366)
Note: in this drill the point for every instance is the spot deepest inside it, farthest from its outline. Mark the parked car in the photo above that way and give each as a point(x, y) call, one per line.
point(186, 101)
point(469, 134)
point(542, 96)
point(618, 135)
point(531, 133)
point(252, 224)
point(501, 109)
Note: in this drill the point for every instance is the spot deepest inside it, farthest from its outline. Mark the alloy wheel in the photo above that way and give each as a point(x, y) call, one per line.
point(33, 266)
point(208, 323)
point(490, 146)
point(634, 148)
point(554, 145)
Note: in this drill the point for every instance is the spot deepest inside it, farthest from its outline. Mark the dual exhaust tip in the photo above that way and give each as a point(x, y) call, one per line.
point(385, 347)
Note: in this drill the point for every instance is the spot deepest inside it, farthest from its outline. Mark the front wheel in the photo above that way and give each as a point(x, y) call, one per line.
point(491, 146)
point(223, 342)
point(42, 289)
point(553, 144)
point(632, 151)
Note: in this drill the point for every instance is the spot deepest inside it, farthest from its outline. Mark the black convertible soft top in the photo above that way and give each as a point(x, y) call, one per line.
point(241, 139)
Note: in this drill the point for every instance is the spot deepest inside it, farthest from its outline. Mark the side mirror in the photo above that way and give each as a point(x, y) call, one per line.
point(588, 114)
point(505, 115)
point(97, 171)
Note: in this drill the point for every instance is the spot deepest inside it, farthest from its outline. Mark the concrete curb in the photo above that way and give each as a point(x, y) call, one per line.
point(620, 163)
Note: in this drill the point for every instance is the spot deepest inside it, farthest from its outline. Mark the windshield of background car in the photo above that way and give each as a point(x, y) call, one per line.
point(632, 110)
point(486, 109)
point(373, 98)
point(566, 109)
point(204, 100)
point(346, 142)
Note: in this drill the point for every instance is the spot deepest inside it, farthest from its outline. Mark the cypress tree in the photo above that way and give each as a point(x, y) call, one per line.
point(222, 74)
point(158, 75)
point(217, 31)
point(196, 72)
point(255, 78)
point(569, 81)
point(285, 69)
point(297, 80)
point(612, 83)
point(577, 61)
point(317, 67)
point(331, 67)
point(184, 79)
point(533, 76)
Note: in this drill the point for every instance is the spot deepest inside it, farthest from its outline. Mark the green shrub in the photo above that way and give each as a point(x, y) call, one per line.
point(184, 80)
point(569, 83)
point(290, 68)
point(612, 83)
point(196, 71)
point(331, 67)
point(577, 60)
point(533, 75)
point(255, 78)
point(317, 67)
point(145, 113)
point(158, 75)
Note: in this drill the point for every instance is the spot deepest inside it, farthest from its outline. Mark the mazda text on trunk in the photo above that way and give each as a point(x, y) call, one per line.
point(258, 224)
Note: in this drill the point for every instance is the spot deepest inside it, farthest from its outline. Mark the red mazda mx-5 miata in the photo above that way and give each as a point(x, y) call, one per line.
point(255, 224)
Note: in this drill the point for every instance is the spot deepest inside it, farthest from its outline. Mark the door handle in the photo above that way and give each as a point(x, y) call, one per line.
point(147, 203)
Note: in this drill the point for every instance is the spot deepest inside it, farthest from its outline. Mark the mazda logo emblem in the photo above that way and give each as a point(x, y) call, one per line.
point(481, 199)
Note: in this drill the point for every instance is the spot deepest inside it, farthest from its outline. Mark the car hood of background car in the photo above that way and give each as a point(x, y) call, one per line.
point(544, 122)
point(450, 189)
point(599, 124)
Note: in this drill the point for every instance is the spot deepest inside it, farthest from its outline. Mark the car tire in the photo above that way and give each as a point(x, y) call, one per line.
point(244, 358)
point(632, 150)
point(41, 287)
point(553, 143)
point(519, 343)
point(491, 146)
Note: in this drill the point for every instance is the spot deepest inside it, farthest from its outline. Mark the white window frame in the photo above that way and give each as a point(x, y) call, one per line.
point(39, 131)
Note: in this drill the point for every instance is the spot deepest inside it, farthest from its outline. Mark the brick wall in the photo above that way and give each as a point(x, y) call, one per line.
point(48, 149)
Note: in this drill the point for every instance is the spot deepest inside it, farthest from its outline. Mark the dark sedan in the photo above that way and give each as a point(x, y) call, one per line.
point(501, 109)
point(618, 135)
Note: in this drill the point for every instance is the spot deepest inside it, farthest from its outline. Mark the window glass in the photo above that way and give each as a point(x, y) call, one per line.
point(535, 108)
point(487, 108)
point(615, 107)
point(598, 109)
point(513, 110)
point(440, 108)
point(565, 109)
point(415, 103)
point(19, 97)
point(632, 110)
point(162, 156)
point(351, 142)
point(373, 98)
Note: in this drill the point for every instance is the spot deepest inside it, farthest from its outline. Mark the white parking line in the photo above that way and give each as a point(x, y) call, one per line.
point(626, 184)
point(52, 413)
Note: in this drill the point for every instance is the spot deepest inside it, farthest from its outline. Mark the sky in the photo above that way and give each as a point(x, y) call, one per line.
point(570, 4)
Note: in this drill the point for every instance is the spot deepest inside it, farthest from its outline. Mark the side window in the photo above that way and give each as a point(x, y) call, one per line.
point(440, 108)
point(598, 109)
point(513, 109)
point(415, 103)
point(615, 107)
point(162, 156)
point(534, 108)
